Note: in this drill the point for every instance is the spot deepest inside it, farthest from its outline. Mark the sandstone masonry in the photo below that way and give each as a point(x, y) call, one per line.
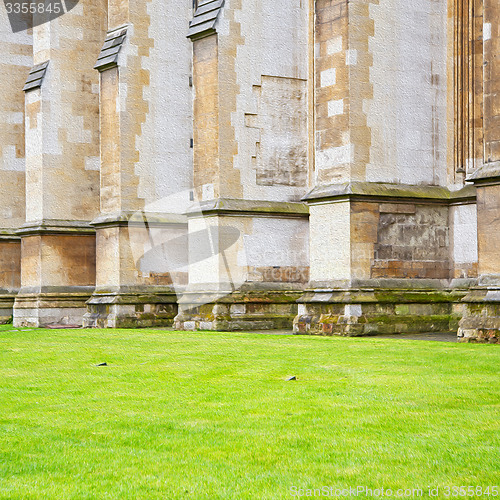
point(327, 165)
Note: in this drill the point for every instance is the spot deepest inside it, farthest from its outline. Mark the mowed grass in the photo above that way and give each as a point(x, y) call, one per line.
point(210, 415)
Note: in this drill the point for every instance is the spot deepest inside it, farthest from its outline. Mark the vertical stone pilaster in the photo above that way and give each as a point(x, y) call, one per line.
point(334, 150)
point(206, 142)
point(16, 61)
point(468, 85)
point(491, 37)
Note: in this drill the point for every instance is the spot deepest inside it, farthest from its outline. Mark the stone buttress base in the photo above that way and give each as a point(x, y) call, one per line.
point(50, 308)
point(131, 309)
point(237, 311)
point(481, 320)
point(6, 307)
point(57, 272)
point(10, 272)
point(367, 312)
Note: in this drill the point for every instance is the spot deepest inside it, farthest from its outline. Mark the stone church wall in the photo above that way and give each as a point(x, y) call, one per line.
point(327, 165)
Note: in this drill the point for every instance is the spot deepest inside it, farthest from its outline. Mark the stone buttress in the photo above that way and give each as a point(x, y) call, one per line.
point(146, 164)
point(481, 319)
point(62, 169)
point(248, 229)
point(392, 224)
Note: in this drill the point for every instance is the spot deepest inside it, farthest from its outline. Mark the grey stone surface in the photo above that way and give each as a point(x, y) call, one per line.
point(108, 56)
point(35, 77)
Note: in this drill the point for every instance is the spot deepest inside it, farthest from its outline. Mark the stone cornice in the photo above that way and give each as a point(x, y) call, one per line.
point(55, 226)
point(252, 208)
point(61, 292)
point(488, 174)
point(9, 234)
point(374, 191)
point(128, 218)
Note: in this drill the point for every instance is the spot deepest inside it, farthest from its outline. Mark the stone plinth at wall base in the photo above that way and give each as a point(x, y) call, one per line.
point(6, 307)
point(356, 313)
point(481, 321)
point(131, 309)
point(237, 311)
point(38, 310)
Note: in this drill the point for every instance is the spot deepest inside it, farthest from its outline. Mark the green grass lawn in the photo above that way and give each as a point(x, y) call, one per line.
point(210, 415)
